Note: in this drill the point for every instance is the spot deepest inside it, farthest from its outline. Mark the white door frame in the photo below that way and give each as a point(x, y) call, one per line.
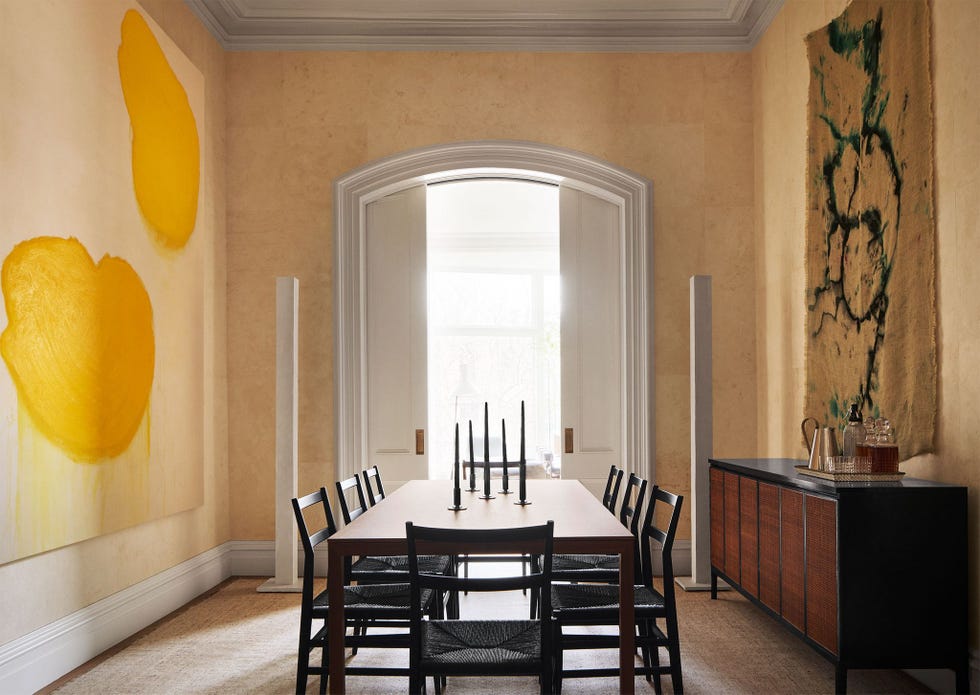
point(527, 160)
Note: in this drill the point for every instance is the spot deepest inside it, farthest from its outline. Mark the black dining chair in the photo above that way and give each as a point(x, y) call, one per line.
point(385, 568)
point(372, 485)
point(600, 567)
point(577, 605)
point(381, 605)
point(480, 647)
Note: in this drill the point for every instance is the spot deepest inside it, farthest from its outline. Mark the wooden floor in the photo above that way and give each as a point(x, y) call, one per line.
point(235, 640)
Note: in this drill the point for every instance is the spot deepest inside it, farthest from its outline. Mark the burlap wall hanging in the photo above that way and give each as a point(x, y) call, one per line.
point(870, 235)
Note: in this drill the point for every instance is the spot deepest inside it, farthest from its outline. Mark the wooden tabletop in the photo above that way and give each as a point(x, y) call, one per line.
point(579, 517)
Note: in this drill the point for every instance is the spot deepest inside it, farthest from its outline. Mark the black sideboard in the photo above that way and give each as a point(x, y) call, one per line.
point(871, 575)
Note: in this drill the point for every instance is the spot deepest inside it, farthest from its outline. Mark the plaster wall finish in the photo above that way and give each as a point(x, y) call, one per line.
point(780, 78)
point(76, 576)
point(299, 120)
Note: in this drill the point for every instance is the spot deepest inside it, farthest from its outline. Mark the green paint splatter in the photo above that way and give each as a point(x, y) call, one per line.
point(871, 138)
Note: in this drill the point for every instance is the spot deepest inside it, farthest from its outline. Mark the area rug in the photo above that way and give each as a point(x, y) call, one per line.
point(870, 230)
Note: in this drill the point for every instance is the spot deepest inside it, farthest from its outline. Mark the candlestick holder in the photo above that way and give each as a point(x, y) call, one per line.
point(486, 483)
point(522, 501)
point(457, 507)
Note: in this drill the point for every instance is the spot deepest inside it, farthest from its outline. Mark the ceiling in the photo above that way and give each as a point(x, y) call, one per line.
point(487, 25)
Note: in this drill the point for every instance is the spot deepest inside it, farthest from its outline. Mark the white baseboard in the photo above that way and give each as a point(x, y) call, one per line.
point(41, 657)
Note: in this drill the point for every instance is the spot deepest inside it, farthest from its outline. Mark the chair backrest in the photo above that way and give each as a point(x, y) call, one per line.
point(629, 516)
point(535, 540)
point(312, 540)
point(629, 512)
point(612, 488)
point(348, 511)
point(663, 536)
point(375, 492)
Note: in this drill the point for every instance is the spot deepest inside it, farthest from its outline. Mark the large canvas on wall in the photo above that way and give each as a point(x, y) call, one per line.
point(101, 381)
point(871, 303)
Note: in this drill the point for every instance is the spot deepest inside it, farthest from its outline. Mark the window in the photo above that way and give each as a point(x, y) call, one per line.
point(493, 317)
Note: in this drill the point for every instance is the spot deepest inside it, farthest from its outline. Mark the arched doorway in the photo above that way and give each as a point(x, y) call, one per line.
point(629, 194)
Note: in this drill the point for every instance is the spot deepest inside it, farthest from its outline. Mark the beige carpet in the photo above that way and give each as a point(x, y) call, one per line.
point(234, 640)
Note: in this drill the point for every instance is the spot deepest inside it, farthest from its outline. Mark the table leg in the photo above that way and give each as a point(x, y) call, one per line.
point(627, 629)
point(335, 626)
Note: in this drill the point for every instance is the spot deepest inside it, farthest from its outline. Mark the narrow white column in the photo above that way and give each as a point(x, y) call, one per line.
point(701, 444)
point(287, 435)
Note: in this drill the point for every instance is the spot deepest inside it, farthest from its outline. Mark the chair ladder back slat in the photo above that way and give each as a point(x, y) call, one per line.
point(629, 511)
point(607, 493)
point(663, 536)
point(373, 485)
point(610, 503)
point(350, 512)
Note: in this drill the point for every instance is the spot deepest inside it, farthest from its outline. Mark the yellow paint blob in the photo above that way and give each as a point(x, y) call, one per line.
point(79, 345)
point(166, 151)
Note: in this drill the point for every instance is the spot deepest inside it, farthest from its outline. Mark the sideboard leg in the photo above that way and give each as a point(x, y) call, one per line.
point(963, 676)
point(840, 685)
point(714, 586)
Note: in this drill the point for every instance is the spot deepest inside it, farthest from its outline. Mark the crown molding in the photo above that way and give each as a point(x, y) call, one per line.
point(467, 25)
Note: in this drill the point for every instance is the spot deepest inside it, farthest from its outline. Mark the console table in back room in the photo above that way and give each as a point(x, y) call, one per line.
point(870, 574)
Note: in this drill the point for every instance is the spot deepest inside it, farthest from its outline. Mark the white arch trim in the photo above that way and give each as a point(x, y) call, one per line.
point(527, 160)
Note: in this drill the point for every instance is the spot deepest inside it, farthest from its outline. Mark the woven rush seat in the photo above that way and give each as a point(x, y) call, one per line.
point(381, 566)
point(464, 643)
point(601, 600)
point(586, 567)
point(374, 601)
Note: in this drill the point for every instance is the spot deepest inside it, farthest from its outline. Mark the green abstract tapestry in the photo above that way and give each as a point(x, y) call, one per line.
point(870, 236)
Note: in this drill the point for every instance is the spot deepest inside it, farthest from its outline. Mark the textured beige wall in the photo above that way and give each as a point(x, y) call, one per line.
point(297, 121)
point(43, 588)
point(779, 91)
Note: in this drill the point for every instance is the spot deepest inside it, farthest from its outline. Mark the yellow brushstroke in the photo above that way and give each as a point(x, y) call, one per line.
point(166, 151)
point(79, 345)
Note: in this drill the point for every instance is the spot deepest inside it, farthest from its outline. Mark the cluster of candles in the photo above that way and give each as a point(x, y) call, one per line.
point(522, 463)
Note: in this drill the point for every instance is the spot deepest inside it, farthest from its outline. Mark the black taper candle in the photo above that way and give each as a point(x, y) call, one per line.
point(472, 472)
point(486, 453)
point(522, 430)
point(486, 432)
point(522, 466)
point(456, 502)
point(456, 471)
point(503, 450)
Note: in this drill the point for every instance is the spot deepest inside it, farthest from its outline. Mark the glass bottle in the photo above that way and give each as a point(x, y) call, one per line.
point(853, 431)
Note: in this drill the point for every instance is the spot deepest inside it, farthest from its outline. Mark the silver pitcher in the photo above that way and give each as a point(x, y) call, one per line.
point(822, 443)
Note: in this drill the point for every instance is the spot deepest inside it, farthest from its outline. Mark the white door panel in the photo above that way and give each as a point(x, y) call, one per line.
point(591, 334)
point(396, 347)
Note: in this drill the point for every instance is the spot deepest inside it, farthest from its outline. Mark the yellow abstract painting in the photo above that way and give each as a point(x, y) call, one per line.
point(166, 152)
point(102, 244)
point(78, 344)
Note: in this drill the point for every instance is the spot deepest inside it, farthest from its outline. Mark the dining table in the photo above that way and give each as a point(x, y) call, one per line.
point(582, 525)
